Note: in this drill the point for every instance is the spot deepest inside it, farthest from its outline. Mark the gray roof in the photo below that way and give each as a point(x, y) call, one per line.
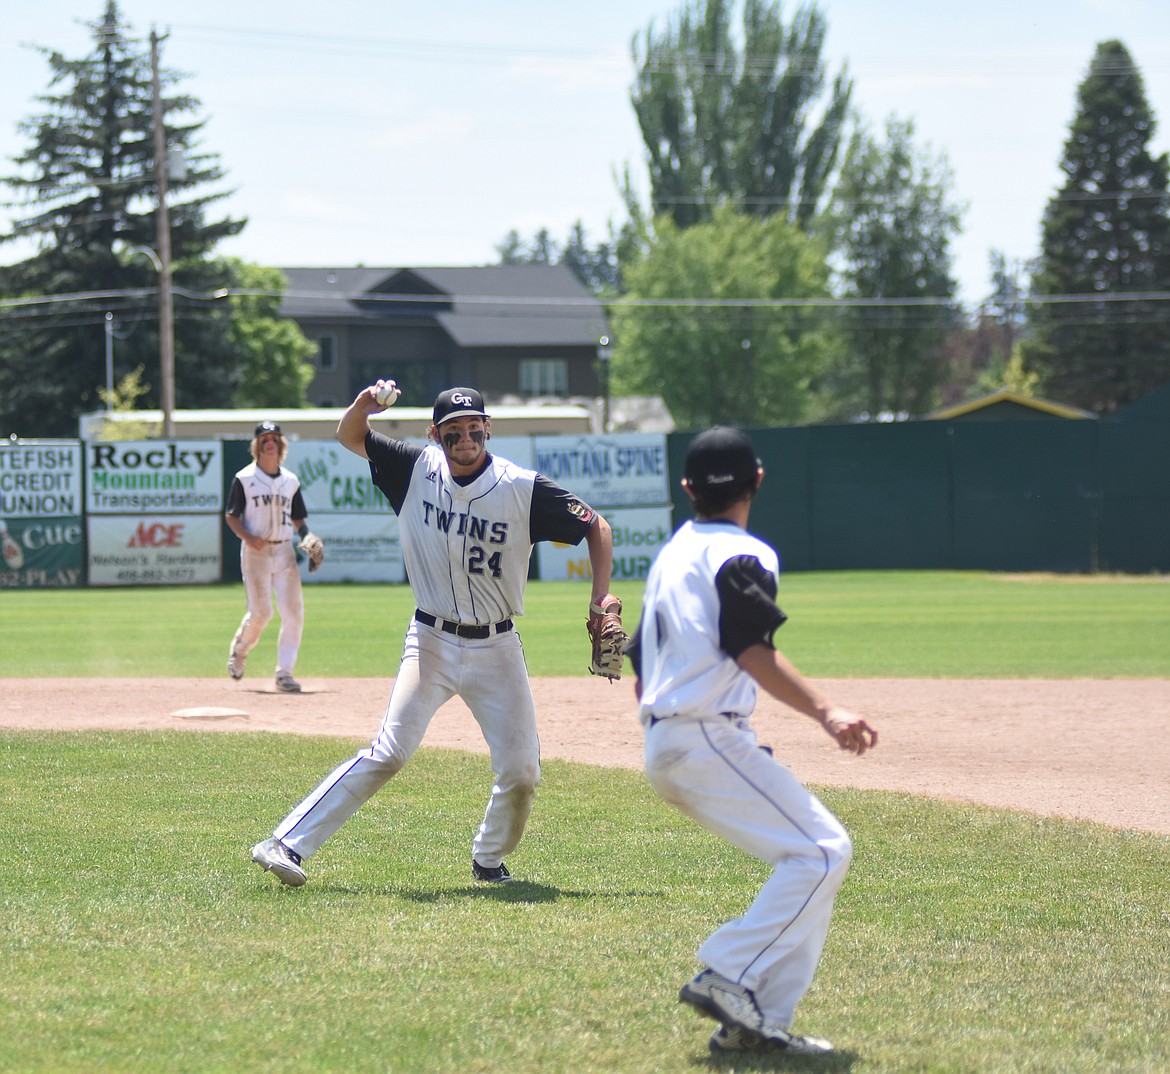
point(494, 305)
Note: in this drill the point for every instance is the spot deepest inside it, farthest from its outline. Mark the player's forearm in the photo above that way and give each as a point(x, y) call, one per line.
point(776, 675)
point(355, 423)
point(236, 525)
point(779, 678)
point(599, 540)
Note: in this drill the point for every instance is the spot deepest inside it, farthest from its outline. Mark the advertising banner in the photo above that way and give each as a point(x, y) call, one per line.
point(358, 548)
point(41, 552)
point(517, 449)
point(154, 477)
point(153, 549)
point(41, 531)
point(40, 479)
point(333, 480)
point(638, 534)
point(619, 470)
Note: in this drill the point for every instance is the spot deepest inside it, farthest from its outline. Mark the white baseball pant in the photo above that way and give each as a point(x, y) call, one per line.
point(272, 569)
point(491, 677)
point(715, 772)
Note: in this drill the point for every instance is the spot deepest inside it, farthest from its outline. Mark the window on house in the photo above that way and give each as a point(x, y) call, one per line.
point(544, 376)
point(326, 352)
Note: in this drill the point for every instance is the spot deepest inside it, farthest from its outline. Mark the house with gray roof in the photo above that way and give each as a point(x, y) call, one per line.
point(512, 331)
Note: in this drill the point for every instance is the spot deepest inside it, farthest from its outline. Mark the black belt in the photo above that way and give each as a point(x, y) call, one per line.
point(279, 542)
point(463, 630)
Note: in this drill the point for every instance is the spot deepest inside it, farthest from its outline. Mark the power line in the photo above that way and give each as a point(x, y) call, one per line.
point(503, 54)
point(512, 305)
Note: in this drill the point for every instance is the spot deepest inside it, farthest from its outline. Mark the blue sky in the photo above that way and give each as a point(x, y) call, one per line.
point(398, 133)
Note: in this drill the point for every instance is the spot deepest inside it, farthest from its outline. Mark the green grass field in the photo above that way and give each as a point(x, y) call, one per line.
point(137, 936)
point(841, 624)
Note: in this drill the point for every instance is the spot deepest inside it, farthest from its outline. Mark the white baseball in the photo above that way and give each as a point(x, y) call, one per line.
point(388, 394)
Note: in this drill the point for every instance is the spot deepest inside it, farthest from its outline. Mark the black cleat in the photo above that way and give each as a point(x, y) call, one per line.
point(495, 874)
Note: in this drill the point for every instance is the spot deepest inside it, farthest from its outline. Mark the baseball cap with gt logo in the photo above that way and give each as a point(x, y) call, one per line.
point(458, 403)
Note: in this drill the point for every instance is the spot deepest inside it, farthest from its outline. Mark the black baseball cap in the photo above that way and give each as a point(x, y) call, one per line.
point(267, 427)
point(721, 457)
point(458, 403)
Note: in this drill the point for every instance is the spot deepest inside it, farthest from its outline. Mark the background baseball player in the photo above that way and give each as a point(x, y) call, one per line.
point(264, 509)
point(468, 520)
point(703, 644)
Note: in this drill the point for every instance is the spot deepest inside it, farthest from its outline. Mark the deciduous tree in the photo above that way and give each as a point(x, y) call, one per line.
point(714, 322)
point(273, 351)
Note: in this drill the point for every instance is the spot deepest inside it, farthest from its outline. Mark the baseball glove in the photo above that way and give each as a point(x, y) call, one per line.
point(607, 637)
point(314, 548)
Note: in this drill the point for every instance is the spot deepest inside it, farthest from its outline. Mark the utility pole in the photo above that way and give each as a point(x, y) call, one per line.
point(166, 306)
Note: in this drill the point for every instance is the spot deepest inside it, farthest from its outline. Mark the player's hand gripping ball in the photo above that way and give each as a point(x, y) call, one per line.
point(314, 548)
point(606, 636)
point(388, 394)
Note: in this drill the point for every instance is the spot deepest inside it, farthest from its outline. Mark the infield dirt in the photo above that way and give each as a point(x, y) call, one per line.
point(1096, 750)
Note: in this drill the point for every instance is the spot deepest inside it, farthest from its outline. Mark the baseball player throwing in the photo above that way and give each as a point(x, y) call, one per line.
point(703, 646)
point(468, 520)
point(265, 508)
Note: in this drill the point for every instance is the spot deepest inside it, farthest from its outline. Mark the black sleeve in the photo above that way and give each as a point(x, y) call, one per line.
point(748, 614)
point(235, 505)
point(557, 515)
point(391, 464)
point(298, 512)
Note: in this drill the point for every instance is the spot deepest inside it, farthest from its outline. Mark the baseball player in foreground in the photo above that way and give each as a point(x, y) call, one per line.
point(703, 646)
point(468, 520)
point(265, 508)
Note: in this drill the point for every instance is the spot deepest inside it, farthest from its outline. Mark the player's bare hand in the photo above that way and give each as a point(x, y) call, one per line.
point(851, 732)
point(383, 393)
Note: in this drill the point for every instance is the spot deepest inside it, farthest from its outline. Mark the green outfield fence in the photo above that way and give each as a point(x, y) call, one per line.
point(1065, 496)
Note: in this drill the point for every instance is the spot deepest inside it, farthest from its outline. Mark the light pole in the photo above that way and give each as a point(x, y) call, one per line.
point(604, 354)
point(109, 362)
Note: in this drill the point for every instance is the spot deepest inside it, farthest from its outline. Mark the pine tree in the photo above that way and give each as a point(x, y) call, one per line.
point(86, 188)
point(1106, 234)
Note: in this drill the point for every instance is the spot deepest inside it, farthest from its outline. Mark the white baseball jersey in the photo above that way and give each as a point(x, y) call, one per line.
point(268, 505)
point(710, 595)
point(466, 546)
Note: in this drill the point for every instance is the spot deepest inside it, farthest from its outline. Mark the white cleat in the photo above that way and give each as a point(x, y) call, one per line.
point(717, 997)
point(274, 857)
